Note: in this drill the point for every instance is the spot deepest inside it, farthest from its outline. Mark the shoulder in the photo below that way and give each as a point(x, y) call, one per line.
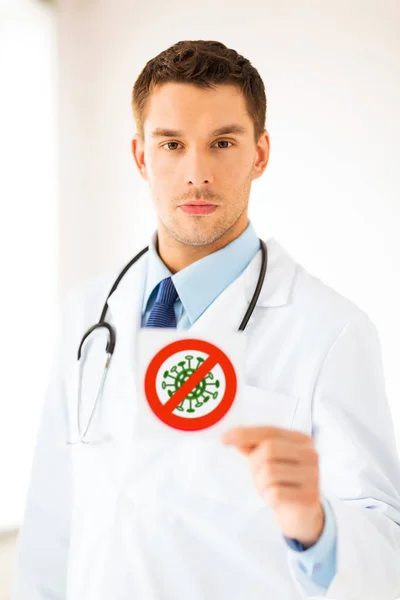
point(322, 298)
point(306, 300)
point(82, 305)
point(91, 292)
point(324, 307)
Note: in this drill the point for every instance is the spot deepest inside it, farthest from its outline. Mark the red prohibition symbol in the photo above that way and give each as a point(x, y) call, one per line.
point(165, 411)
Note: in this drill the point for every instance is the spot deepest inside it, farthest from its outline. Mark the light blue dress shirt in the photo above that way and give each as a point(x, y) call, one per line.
point(219, 270)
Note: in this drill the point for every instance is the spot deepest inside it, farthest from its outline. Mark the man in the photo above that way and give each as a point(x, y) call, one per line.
point(308, 501)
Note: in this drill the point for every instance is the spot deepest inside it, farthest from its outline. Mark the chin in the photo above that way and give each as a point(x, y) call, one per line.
point(198, 237)
point(197, 231)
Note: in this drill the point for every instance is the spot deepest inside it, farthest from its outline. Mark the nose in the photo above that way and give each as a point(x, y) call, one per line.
point(198, 170)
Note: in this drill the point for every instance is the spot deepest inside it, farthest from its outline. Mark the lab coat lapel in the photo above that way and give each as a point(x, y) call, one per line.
point(228, 309)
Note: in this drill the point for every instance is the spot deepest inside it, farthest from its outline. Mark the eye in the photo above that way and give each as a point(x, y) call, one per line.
point(218, 142)
point(168, 143)
point(223, 142)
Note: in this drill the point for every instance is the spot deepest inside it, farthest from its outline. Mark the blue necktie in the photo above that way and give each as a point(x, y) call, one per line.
point(162, 314)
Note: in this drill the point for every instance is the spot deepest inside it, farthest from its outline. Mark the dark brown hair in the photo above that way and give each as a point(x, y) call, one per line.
point(205, 64)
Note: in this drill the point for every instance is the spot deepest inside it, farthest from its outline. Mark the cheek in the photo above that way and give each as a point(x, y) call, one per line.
point(161, 178)
point(235, 172)
point(166, 179)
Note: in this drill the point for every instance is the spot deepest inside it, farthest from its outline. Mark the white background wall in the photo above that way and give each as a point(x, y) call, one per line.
point(28, 237)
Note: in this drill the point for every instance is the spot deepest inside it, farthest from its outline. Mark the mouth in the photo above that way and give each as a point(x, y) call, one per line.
point(198, 207)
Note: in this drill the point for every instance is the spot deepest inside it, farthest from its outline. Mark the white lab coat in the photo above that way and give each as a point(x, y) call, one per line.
point(178, 520)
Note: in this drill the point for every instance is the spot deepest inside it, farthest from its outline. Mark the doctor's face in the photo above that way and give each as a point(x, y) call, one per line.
point(199, 147)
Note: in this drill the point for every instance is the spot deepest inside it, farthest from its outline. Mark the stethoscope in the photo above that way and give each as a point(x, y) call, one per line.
point(112, 338)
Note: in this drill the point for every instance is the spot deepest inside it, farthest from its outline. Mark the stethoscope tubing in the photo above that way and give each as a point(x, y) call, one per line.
point(111, 341)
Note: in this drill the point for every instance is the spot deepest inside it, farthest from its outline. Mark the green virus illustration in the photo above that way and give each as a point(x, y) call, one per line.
point(200, 394)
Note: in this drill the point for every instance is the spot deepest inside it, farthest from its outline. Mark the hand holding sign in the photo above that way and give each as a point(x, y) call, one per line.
point(285, 469)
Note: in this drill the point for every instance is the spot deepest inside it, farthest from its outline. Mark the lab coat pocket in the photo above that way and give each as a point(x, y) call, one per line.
point(209, 468)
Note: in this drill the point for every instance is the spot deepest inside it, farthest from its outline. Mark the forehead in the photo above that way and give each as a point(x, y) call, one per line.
point(185, 107)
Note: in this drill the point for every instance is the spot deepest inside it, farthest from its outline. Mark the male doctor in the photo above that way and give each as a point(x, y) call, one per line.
point(305, 504)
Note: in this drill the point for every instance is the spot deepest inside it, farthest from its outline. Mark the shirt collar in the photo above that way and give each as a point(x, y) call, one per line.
point(201, 282)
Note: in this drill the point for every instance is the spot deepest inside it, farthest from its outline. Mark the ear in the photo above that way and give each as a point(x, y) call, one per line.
point(262, 155)
point(138, 154)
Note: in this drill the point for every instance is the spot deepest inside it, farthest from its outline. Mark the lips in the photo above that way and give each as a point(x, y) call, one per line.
point(198, 207)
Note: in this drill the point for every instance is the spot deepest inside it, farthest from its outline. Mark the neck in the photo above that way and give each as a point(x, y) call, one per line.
point(177, 255)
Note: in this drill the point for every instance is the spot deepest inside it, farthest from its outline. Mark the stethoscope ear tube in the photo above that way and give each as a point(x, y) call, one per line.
point(260, 282)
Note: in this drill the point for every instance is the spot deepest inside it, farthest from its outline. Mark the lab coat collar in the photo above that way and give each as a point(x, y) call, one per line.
point(281, 270)
point(126, 301)
point(215, 272)
point(228, 309)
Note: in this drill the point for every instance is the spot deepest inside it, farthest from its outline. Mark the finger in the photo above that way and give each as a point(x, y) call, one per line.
point(268, 475)
point(276, 495)
point(251, 436)
point(276, 444)
point(286, 448)
point(280, 450)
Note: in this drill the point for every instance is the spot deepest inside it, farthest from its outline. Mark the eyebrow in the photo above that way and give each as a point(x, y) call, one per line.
point(227, 129)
